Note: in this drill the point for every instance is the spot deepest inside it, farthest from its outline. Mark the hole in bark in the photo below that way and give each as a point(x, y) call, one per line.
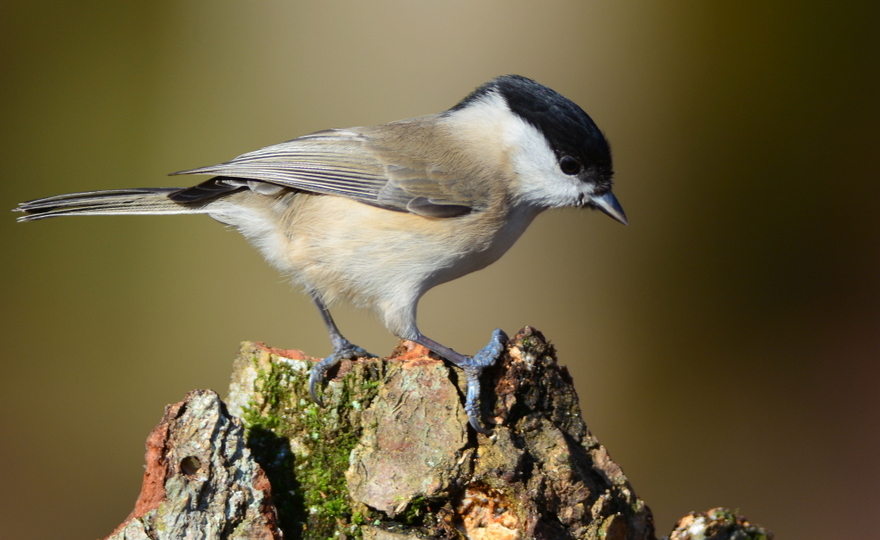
point(190, 465)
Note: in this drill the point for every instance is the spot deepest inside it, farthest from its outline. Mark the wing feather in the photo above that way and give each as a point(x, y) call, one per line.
point(333, 162)
point(356, 163)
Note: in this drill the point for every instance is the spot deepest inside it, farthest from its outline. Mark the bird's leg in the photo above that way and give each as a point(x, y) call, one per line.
point(342, 350)
point(472, 366)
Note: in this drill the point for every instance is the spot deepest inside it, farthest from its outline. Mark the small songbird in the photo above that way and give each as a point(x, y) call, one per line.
point(379, 215)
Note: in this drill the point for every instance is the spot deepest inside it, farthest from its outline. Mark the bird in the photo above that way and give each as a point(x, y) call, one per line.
point(376, 216)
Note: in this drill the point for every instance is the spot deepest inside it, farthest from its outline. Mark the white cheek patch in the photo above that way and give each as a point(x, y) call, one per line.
point(541, 182)
point(489, 124)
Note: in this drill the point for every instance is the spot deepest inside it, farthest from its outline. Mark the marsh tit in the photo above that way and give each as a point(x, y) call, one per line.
point(379, 215)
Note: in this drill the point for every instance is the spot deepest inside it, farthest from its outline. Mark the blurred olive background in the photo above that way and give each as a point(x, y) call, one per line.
point(725, 344)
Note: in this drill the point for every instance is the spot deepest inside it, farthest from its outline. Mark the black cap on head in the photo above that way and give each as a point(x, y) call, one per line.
point(569, 130)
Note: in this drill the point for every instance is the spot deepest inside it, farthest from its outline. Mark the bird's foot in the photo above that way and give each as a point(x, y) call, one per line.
point(473, 367)
point(342, 350)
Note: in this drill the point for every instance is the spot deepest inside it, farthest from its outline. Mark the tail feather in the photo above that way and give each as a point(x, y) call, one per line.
point(109, 202)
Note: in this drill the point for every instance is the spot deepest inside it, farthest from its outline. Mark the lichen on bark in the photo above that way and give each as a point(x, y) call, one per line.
point(304, 449)
point(201, 480)
point(392, 452)
point(391, 457)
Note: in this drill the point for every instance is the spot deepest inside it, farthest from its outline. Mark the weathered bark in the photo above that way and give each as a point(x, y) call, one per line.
point(717, 524)
point(201, 480)
point(391, 456)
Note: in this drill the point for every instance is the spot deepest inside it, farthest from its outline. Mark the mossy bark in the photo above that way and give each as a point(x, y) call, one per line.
point(391, 456)
point(391, 451)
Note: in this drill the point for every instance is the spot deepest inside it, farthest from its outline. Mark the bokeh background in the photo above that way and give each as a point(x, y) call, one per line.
point(725, 345)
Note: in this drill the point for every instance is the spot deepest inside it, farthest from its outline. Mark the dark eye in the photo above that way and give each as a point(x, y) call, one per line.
point(569, 165)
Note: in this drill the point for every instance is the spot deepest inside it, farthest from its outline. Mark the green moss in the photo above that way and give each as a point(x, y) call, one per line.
point(309, 485)
point(728, 521)
point(414, 514)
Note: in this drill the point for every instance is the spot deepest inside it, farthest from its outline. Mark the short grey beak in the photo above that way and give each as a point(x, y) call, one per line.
point(608, 204)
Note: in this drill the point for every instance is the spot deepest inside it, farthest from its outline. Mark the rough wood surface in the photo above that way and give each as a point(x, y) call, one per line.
point(201, 481)
point(400, 458)
point(391, 457)
point(717, 524)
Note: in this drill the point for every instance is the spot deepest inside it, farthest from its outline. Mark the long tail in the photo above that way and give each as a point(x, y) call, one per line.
point(123, 201)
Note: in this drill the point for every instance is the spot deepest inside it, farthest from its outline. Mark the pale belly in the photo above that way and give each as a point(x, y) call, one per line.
point(386, 260)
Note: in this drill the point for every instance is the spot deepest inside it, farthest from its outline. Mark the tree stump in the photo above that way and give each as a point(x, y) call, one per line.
point(391, 456)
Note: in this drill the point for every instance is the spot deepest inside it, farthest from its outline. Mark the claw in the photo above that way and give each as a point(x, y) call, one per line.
point(317, 376)
point(471, 404)
point(345, 351)
point(473, 368)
